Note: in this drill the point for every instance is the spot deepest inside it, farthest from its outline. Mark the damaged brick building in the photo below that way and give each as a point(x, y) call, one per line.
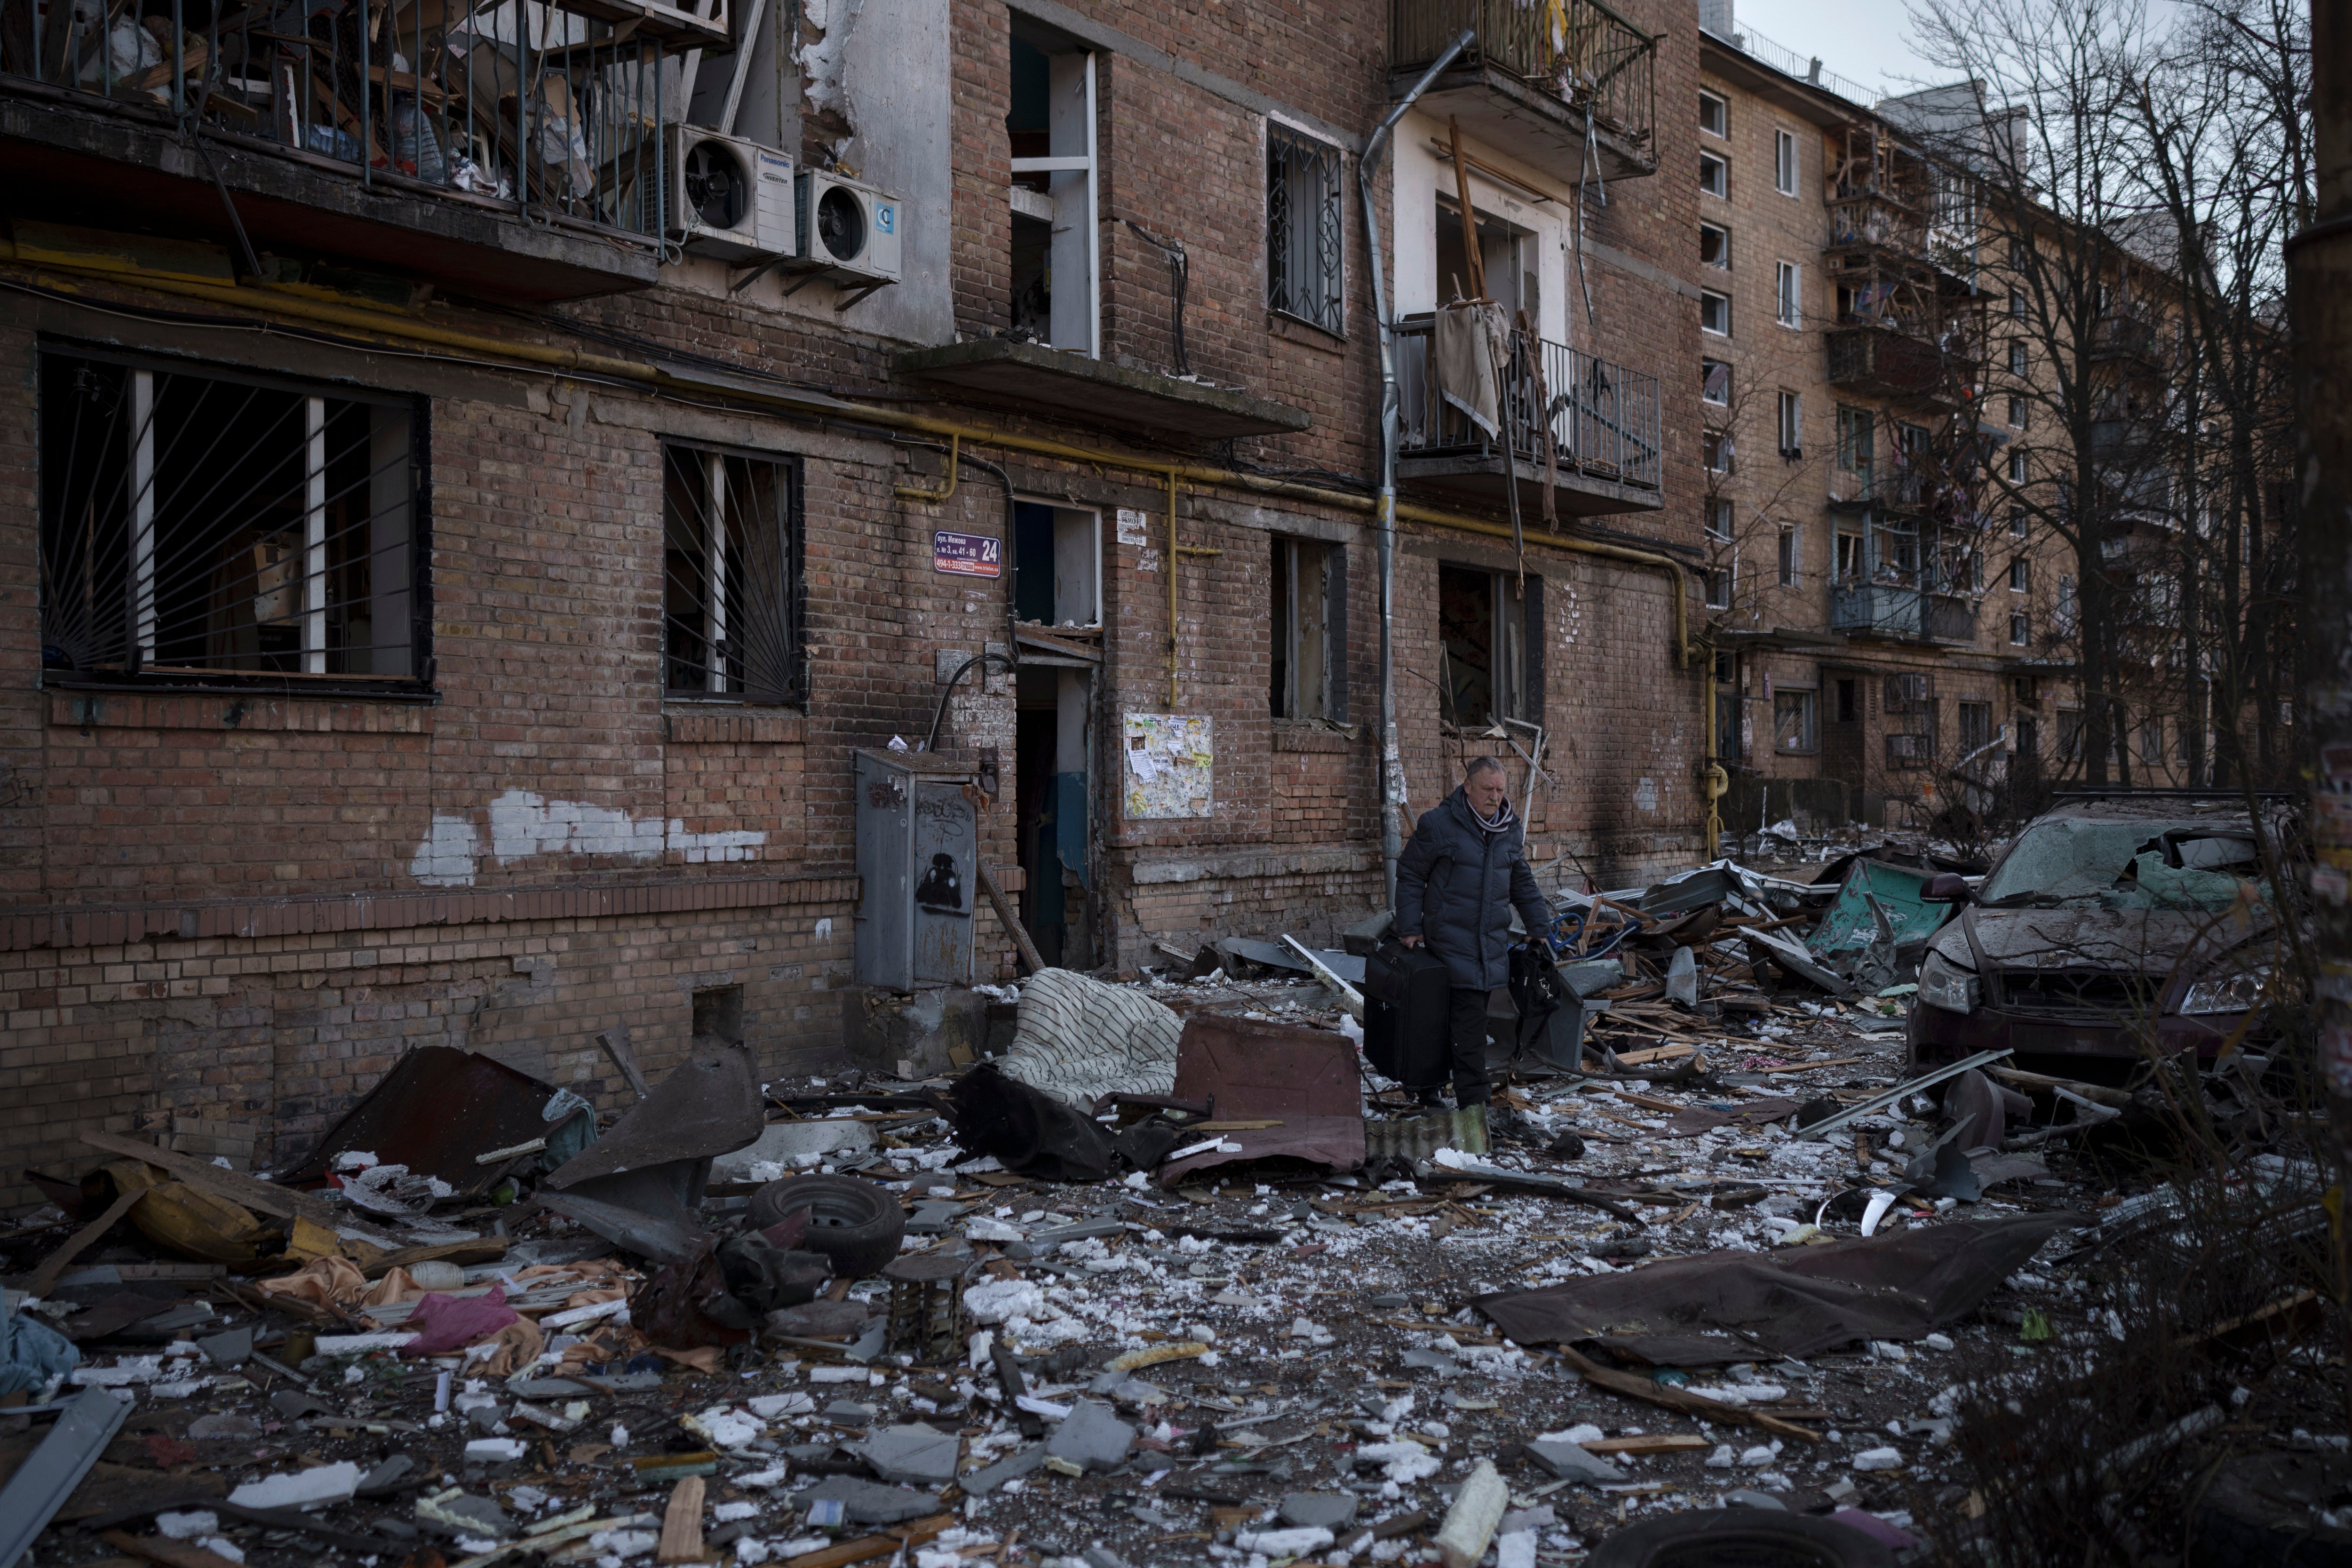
point(490, 492)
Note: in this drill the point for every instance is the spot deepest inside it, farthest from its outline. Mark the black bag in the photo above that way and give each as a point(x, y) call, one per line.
point(1408, 992)
point(1538, 991)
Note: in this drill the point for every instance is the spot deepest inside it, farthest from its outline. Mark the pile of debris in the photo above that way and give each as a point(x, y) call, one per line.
point(1171, 1277)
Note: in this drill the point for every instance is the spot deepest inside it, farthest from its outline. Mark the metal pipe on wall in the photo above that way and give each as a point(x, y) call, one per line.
point(1384, 505)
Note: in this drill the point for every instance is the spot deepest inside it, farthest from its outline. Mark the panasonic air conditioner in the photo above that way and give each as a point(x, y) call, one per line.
point(852, 231)
point(729, 197)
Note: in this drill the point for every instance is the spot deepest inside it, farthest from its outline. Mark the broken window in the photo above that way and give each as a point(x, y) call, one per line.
point(1715, 382)
point(1309, 675)
point(731, 577)
point(1506, 259)
point(1718, 588)
point(1305, 228)
point(1715, 313)
point(1714, 114)
point(1051, 125)
point(1856, 441)
point(1486, 670)
point(1714, 175)
point(216, 526)
point(1796, 720)
point(2020, 630)
point(1788, 294)
point(1793, 561)
point(1784, 162)
point(1849, 557)
point(1975, 727)
point(1714, 246)
point(1715, 450)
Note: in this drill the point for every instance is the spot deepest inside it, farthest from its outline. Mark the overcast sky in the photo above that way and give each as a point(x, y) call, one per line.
point(1867, 41)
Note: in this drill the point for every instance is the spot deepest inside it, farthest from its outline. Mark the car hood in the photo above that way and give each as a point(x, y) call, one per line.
point(2145, 942)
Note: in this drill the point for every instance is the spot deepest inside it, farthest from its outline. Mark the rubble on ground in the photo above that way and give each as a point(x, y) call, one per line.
point(1175, 1279)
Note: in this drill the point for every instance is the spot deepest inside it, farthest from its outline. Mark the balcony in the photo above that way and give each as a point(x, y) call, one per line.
point(1890, 361)
point(510, 151)
point(1522, 86)
point(1874, 221)
point(1888, 491)
point(2128, 339)
point(1603, 420)
point(1900, 611)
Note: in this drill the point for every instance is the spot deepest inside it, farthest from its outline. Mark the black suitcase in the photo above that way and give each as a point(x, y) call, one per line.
point(1407, 1028)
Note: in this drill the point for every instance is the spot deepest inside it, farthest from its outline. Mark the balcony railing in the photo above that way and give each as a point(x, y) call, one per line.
point(1882, 488)
point(1598, 62)
point(1604, 418)
point(557, 109)
point(1891, 610)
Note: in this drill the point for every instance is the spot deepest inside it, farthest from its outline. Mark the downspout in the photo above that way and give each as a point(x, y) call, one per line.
point(1391, 777)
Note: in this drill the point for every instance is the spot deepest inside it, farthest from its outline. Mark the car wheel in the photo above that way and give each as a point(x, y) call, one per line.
point(855, 1223)
point(1705, 1537)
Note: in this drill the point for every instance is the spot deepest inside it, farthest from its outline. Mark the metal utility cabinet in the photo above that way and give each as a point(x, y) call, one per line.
point(917, 857)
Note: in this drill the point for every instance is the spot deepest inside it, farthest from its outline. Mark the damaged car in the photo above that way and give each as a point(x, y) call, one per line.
point(2112, 921)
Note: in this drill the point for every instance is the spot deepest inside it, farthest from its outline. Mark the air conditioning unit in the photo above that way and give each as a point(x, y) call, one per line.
point(852, 232)
point(729, 197)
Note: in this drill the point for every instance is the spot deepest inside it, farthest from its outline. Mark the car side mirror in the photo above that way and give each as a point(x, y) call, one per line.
point(1945, 888)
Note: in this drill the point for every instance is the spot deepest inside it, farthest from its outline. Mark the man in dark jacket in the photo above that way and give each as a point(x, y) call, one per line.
point(1458, 882)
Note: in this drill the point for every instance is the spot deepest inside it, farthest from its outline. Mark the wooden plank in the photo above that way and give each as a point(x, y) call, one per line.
point(1007, 918)
point(866, 1548)
point(283, 1202)
point(165, 1552)
point(682, 1531)
point(615, 1042)
point(1657, 1443)
point(55, 1263)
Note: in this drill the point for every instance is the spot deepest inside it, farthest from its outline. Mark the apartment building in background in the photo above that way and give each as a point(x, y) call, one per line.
point(1884, 629)
point(515, 513)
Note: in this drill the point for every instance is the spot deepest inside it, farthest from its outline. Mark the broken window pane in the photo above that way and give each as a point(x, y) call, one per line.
point(1793, 720)
point(1309, 612)
point(1482, 657)
point(221, 526)
point(1304, 227)
point(730, 571)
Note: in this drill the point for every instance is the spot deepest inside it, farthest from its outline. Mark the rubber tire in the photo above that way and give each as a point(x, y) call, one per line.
point(1743, 1535)
point(855, 1223)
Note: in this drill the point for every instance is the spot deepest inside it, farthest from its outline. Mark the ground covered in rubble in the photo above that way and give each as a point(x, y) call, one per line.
point(1261, 1365)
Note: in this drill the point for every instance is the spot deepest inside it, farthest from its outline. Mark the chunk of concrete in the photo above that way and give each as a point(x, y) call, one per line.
point(1682, 978)
point(231, 1348)
point(547, 1388)
point(1570, 1462)
point(1093, 1437)
point(387, 1476)
point(456, 1513)
point(934, 1218)
point(913, 1456)
point(1013, 1467)
point(849, 1413)
point(1318, 1510)
point(1437, 1362)
point(869, 1502)
point(313, 1488)
point(786, 1142)
point(1084, 1230)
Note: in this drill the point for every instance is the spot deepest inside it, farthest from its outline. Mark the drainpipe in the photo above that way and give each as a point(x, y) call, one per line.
point(1392, 782)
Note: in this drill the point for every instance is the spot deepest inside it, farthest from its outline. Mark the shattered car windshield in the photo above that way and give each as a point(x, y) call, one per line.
point(2066, 859)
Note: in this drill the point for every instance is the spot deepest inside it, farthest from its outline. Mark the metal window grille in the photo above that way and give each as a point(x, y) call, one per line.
point(731, 577)
point(1304, 229)
point(227, 529)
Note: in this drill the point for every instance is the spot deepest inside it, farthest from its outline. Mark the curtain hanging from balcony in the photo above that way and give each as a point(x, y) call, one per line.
point(1470, 346)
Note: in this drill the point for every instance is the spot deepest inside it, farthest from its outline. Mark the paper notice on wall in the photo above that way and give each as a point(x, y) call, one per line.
point(1169, 764)
point(1134, 527)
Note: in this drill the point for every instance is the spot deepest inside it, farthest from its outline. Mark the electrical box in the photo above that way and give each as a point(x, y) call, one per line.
point(917, 849)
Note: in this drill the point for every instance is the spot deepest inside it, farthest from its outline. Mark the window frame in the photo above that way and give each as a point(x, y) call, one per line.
point(1715, 374)
point(2020, 576)
point(1518, 657)
point(144, 628)
point(1789, 423)
point(1792, 558)
point(1719, 518)
point(2017, 362)
point(1284, 635)
point(1806, 702)
point(1721, 585)
point(1297, 151)
point(1721, 130)
point(1721, 301)
point(2020, 628)
point(1788, 295)
point(1784, 161)
point(1721, 189)
point(1715, 443)
point(1723, 233)
point(1073, 176)
point(791, 690)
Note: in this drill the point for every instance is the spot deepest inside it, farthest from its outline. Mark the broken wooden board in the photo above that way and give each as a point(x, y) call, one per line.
point(283, 1202)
